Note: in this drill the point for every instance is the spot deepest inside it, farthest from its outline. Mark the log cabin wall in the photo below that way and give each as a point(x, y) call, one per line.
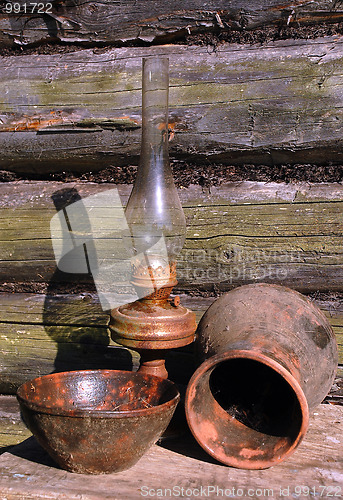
point(80, 111)
point(155, 21)
point(70, 85)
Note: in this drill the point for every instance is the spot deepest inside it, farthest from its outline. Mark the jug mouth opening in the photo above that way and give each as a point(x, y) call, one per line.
point(245, 409)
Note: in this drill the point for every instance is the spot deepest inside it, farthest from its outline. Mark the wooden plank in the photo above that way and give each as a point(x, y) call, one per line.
point(85, 310)
point(336, 394)
point(40, 334)
point(28, 473)
point(237, 233)
point(28, 351)
point(81, 111)
point(82, 309)
point(12, 429)
point(153, 21)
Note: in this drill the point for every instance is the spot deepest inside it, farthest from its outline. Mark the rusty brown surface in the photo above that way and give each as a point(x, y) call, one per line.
point(152, 324)
point(97, 421)
point(56, 120)
point(159, 275)
point(152, 362)
point(268, 355)
point(155, 322)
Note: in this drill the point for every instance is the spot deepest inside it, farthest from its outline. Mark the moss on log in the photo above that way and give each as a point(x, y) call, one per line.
point(271, 104)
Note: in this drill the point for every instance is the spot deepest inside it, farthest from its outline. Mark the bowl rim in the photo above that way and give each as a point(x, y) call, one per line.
point(85, 411)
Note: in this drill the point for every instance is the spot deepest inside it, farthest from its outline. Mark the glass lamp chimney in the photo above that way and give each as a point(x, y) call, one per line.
point(154, 213)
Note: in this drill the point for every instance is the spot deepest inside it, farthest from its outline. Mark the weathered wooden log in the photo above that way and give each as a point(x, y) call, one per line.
point(43, 333)
point(40, 334)
point(150, 21)
point(236, 233)
point(271, 104)
point(12, 428)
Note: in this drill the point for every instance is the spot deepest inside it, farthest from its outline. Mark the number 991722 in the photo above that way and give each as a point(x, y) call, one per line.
point(27, 8)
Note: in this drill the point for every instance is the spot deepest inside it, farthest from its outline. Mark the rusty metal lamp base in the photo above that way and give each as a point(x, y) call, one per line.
point(154, 323)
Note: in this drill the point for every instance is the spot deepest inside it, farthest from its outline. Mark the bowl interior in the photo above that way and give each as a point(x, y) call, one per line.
point(97, 391)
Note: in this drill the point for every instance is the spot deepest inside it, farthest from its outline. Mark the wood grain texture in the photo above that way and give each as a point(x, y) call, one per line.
point(154, 21)
point(271, 104)
point(40, 334)
point(237, 233)
point(12, 429)
point(27, 473)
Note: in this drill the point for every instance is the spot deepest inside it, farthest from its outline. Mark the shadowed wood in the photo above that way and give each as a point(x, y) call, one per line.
point(28, 473)
point(155, 21)
point(12, 428)
point(40, 334)
point(29, 351)
point(271, 104)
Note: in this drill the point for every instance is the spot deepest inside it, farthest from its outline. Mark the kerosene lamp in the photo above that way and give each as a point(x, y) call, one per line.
point(156, 233)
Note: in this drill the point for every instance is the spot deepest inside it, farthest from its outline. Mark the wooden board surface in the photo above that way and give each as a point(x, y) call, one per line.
point(155, 21)
point(12, 428)
point(26, 472)
point(237, 233)
point(40, 334)
point(271, 104)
